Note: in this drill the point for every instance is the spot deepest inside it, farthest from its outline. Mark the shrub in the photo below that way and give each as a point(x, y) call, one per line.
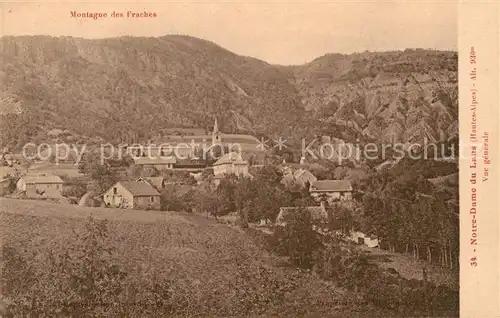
point(74, 188)
point(83, 278)
point(334, 260)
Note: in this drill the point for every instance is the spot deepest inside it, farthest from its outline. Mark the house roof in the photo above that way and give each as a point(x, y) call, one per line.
point(303, 173)
point(297, 176)
point(154, 181)
point(331, 186)
point(317, 212)
point(41, 179)
point(138, 189)
point(154, 160)
point(231, 157)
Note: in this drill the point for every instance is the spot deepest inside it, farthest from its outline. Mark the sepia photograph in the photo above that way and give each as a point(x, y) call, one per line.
point(231, 159)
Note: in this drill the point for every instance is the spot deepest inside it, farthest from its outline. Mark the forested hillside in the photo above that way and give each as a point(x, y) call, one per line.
point(128, 89)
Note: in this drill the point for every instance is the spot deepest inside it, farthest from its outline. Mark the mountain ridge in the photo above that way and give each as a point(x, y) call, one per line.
point(129, 89)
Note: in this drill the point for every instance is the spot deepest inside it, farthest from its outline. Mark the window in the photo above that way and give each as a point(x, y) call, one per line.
point(152, 199)
point(115, 190)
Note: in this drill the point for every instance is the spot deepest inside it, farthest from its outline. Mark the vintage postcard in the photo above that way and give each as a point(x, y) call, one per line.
point(249, 158)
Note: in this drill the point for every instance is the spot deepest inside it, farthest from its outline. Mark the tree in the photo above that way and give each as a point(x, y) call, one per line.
point(244, 195)
point(298, 240)
point(171, 200)
point(206, 201)
point(270, 174)
point(340, 218)
point(269, 194)
point(299, 196)
point(226, 194)
point(100, 173)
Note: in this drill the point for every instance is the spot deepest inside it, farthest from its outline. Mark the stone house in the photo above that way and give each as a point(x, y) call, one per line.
point(331, 190)
point(230, 163)
point(132, 195)
point(40, 186)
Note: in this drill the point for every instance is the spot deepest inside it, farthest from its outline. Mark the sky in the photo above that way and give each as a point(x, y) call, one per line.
point(285, 32)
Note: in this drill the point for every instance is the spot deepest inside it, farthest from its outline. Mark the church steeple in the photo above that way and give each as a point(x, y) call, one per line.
point(215, 133)
point(216, 127)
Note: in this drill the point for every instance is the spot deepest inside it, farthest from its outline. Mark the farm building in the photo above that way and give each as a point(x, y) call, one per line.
point(331, 190)
point(190, 165)
point(159, 163)
point(132, 195)
point(172, 149)
point(40, 185)
point(361, 238)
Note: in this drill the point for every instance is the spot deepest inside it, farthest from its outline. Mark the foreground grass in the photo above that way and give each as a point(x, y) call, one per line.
point(207, 269)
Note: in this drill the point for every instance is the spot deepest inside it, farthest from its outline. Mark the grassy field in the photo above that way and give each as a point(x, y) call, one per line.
point(214, 270)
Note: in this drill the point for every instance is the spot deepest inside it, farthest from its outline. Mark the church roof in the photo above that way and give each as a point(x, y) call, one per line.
point(204, 141)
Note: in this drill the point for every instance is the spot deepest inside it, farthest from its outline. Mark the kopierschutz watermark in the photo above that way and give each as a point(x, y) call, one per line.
point(312, 150)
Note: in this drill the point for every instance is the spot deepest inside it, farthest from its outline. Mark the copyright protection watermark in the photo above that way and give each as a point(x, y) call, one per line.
point(311, 149)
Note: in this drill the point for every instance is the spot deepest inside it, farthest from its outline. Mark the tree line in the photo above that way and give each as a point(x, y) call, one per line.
point(409, 214)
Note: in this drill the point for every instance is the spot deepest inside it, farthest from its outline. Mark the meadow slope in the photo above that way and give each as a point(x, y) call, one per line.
point(214, 270)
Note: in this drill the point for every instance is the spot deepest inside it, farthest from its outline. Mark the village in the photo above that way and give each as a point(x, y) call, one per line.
point(236, 160)
point(143, 182)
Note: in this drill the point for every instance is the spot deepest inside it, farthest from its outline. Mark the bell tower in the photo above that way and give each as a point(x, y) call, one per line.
point(216, 138)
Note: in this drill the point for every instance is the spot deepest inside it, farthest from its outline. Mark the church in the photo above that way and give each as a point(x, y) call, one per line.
point(183, 151)
point(202, 147)
point(241, 143)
